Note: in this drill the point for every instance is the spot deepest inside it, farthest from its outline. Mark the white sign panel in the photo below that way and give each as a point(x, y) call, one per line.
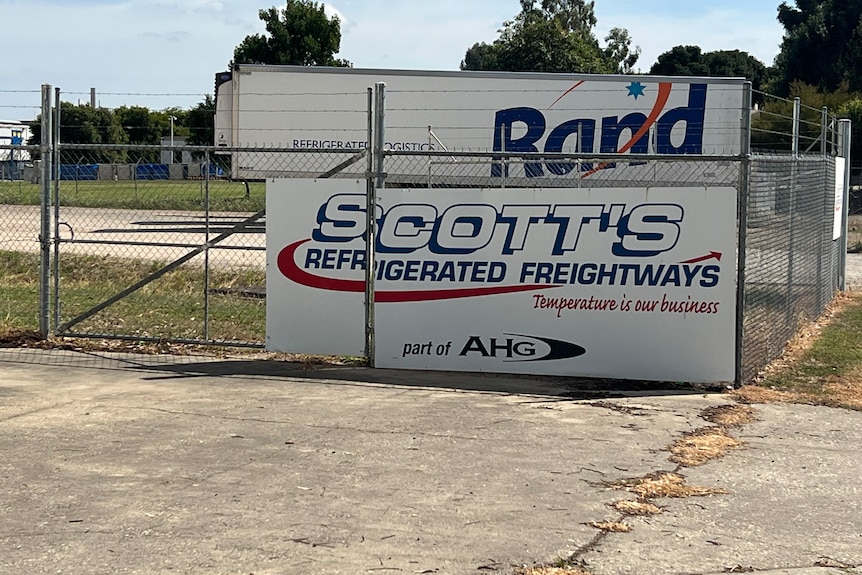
point(310, 313)
point(619, 283)
point(306, 107)
point(838, 225)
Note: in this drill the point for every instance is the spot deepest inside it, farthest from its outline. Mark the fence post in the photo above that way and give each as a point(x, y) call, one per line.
point(743, 197)
point(824, 125)
point(370, 210)
point(844, 131)
point(56, 263)
point(207, 160)
point(380, 129)
point(797, 116)
point(45, 214)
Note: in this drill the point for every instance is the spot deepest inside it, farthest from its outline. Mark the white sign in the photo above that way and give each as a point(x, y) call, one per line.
point(314, 108)
point(622, 283)
point(310, 313)
point(838, 221)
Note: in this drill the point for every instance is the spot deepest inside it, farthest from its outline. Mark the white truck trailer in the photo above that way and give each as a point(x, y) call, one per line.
point(313, 108)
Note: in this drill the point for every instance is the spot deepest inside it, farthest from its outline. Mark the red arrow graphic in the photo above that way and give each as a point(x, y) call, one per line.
point(716, 255)
point(287, 266)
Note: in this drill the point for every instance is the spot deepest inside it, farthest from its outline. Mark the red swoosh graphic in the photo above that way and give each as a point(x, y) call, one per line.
point(664, 89)
point(566, 93)
point(287, 266)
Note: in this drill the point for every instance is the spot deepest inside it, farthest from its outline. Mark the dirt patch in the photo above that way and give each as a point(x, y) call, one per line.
point(611, 526)
point(629, 507)
point(627, 409)
point(20, 338)
point(729, 415)
point(702, 445)
point(663, 484)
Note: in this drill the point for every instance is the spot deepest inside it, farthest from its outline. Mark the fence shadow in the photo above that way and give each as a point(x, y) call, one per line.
point(165, 368)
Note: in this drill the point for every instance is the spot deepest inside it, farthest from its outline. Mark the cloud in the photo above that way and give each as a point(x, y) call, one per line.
point(331, 11)
point(757, 33)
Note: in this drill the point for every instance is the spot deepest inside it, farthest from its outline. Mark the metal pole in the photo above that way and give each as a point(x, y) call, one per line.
point(380, 132)
point(824, 126)
point(370, 209)
point(45, 214)
point(743, 195)
point(844, 130)
point(207, 244)
point(56, 269)
point(794, 174)
point(797, 114)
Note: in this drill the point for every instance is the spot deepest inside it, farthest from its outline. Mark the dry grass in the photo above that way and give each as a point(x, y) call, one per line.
point(629, 507)
point(844, 393)
point(822, 365)
point(550, 571)
point(702, 445)
point(663, 484)
point(729, 415)
point(611, 526)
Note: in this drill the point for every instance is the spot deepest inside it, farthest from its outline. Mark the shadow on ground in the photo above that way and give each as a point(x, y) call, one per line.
point(167, 367)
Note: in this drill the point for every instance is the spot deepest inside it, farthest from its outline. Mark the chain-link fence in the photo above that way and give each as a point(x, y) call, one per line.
point(157, 243)
point(19, 239)
point(791, 258)
point(175, 252)
point(855, 204)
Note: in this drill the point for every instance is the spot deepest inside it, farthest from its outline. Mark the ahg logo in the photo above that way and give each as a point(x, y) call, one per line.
point(520, 348)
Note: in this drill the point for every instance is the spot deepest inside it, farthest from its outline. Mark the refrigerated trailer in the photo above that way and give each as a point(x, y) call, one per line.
point(319, 108)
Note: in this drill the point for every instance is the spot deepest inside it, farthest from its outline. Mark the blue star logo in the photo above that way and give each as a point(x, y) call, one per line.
point(636, 89)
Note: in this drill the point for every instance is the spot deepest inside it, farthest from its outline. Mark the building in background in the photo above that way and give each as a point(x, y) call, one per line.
point(12, 134)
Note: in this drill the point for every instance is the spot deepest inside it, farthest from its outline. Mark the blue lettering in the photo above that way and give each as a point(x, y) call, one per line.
point(503, 141)
point(693, 115)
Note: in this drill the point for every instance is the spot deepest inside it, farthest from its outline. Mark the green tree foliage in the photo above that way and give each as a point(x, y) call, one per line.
point(822, 45)
point(772, 124)
point(619, 51)
point(692, 61)
point(135, 125)
point(201, 123)
point(852, 110)
point(81, 124)
point(300, 34)
point(553, 36)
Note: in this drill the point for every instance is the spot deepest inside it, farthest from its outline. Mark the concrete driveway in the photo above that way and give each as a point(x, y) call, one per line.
point(152, 464)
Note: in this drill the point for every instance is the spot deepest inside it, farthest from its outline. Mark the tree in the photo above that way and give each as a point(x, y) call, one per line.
point(553, 36)
point(691, 61)
point(822, 44)
point(773, 125)
point(81, 124)
point(300, 33)
point(200, 123)
point(619, 50)
point(852, 110)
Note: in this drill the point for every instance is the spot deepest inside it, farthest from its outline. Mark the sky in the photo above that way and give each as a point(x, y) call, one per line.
point(162, 53)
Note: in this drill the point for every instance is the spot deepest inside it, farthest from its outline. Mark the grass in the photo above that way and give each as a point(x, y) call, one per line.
point(822, 366)
point(161, 194)
point(169, 307)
